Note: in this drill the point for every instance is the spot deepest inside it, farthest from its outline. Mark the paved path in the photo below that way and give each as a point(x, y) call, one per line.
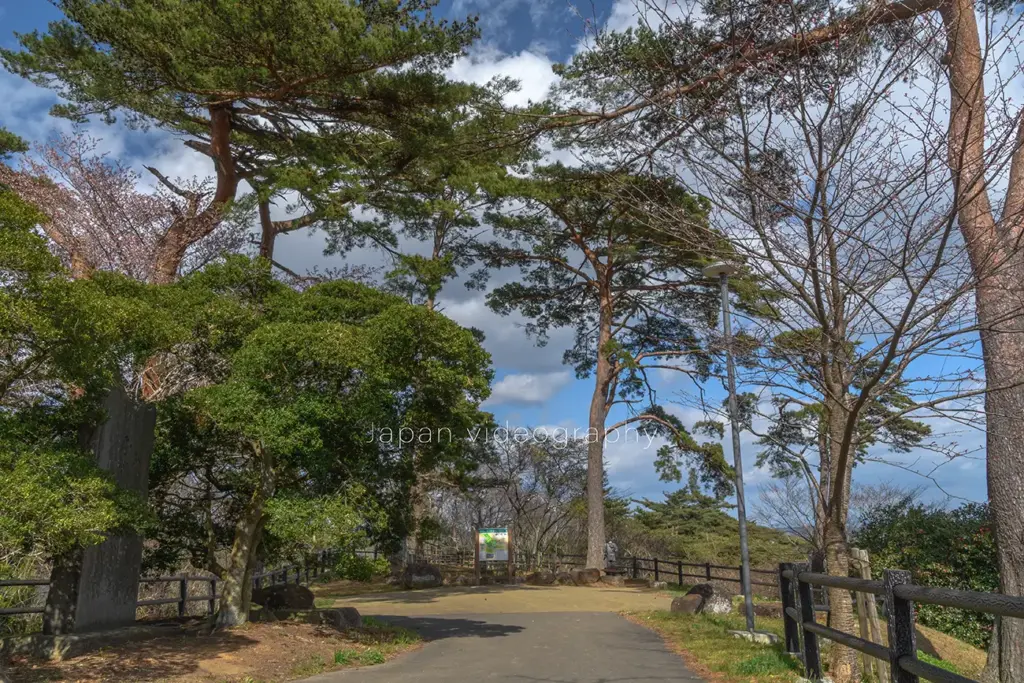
point(554, 647)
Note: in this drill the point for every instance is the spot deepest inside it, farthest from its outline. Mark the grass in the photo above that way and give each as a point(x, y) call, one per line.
point(713, 653)
point(312, 666)
point(935, 661)
point(716, 655)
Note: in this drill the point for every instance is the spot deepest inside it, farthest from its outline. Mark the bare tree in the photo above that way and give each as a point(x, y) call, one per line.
point(710, 53)
point(100, 219)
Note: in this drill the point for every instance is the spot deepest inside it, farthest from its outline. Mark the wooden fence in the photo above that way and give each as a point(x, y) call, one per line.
point(802, 631)
point(318, 565)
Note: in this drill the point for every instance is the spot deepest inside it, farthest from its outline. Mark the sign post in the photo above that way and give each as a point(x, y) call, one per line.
point(492, 545)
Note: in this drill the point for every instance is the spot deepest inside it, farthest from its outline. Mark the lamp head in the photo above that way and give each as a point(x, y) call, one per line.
point(716, 270)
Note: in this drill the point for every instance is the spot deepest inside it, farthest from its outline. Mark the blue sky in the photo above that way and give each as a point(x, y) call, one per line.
point(521, 38)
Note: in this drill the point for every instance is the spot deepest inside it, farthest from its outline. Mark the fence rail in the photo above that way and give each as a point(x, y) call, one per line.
point(303, 573)
point(676, 571)
point(802, 631)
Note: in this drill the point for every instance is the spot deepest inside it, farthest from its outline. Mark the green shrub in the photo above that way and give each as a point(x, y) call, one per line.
point(357, 568)
point(944, 548)
point(372, 657)
point(346, 656)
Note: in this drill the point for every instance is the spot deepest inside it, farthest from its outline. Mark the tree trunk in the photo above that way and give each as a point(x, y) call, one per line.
point(189, 229)
point(1004, 357)
point(237, 574)
point(843, 661)
point(268, 235)
point(994, 250)
point(595, 448)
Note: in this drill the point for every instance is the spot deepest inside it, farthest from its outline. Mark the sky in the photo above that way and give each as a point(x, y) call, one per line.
point(521, 39)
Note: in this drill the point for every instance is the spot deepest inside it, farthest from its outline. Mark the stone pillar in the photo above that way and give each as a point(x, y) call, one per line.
point(97, 588)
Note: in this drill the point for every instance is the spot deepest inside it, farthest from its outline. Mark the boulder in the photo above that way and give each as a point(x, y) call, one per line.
point(658, 585)
point(340, 618)
point(462, 580)
point(687, 604)
point(768, 609)
point(421, 575)
point(613, 580)
point(541, 577)
point(586, 577)
point(713, 599)
point(286, 596)
point(564, 579)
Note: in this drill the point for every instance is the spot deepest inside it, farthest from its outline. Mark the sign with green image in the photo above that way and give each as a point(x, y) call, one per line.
point(492, 544)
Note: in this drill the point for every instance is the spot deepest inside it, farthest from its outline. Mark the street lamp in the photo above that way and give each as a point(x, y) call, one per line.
point(722, 271)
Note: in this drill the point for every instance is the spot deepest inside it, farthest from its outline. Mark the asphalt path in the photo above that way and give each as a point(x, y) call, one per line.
point(553, 647)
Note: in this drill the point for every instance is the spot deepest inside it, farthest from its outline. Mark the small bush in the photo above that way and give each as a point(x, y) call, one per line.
point(358, 568)
point(372, 657)
point(346, 656)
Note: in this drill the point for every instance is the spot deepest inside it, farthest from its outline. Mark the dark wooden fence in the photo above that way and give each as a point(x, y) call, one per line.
point(676, 571)
point(317, 566)
point(802, 631)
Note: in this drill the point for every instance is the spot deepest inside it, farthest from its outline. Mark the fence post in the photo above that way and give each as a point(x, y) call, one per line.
point(790, 624)
point(679, 567)
point(636, 568)
point(707, 570)
point(902, 639)
point(212, 604)
point(182, 596)
point(812, 656)
point(657, 577)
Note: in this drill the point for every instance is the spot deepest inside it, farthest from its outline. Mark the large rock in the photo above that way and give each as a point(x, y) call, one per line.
point(284, 596)
point(613, 580)
point(541, 577)
point(340, 618)
point(687, 604)
point(421, 575)
point(586, 577)
point(768, 609)
point(564, 579)
point(713, 600)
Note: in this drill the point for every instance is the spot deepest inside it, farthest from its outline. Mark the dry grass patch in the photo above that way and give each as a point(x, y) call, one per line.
point(255, 653)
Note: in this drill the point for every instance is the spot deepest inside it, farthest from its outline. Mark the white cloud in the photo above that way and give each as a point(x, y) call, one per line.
point(528, 387)
point(532, 70)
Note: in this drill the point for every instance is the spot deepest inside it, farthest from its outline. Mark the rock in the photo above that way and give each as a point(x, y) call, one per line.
point(421, 575)
point(768, 609)
point(340, 618)
point(686, 604)
point(613, 580)
point(284, 596)
point(716, 604)
point(708, 600)
point(541, 577)
point(638, 583)
point(462, 580)
point(658, 585)
point(564, 579)
point(759, 637)
point(586, 577)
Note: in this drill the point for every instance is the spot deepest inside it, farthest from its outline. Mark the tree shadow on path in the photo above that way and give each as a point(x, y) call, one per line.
point(438, 628)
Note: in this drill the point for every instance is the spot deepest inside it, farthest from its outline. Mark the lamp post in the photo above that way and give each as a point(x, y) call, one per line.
point(722, 271)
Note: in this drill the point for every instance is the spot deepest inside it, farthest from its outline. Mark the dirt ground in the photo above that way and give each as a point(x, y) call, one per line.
point(255, 653)
point(495, 599)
